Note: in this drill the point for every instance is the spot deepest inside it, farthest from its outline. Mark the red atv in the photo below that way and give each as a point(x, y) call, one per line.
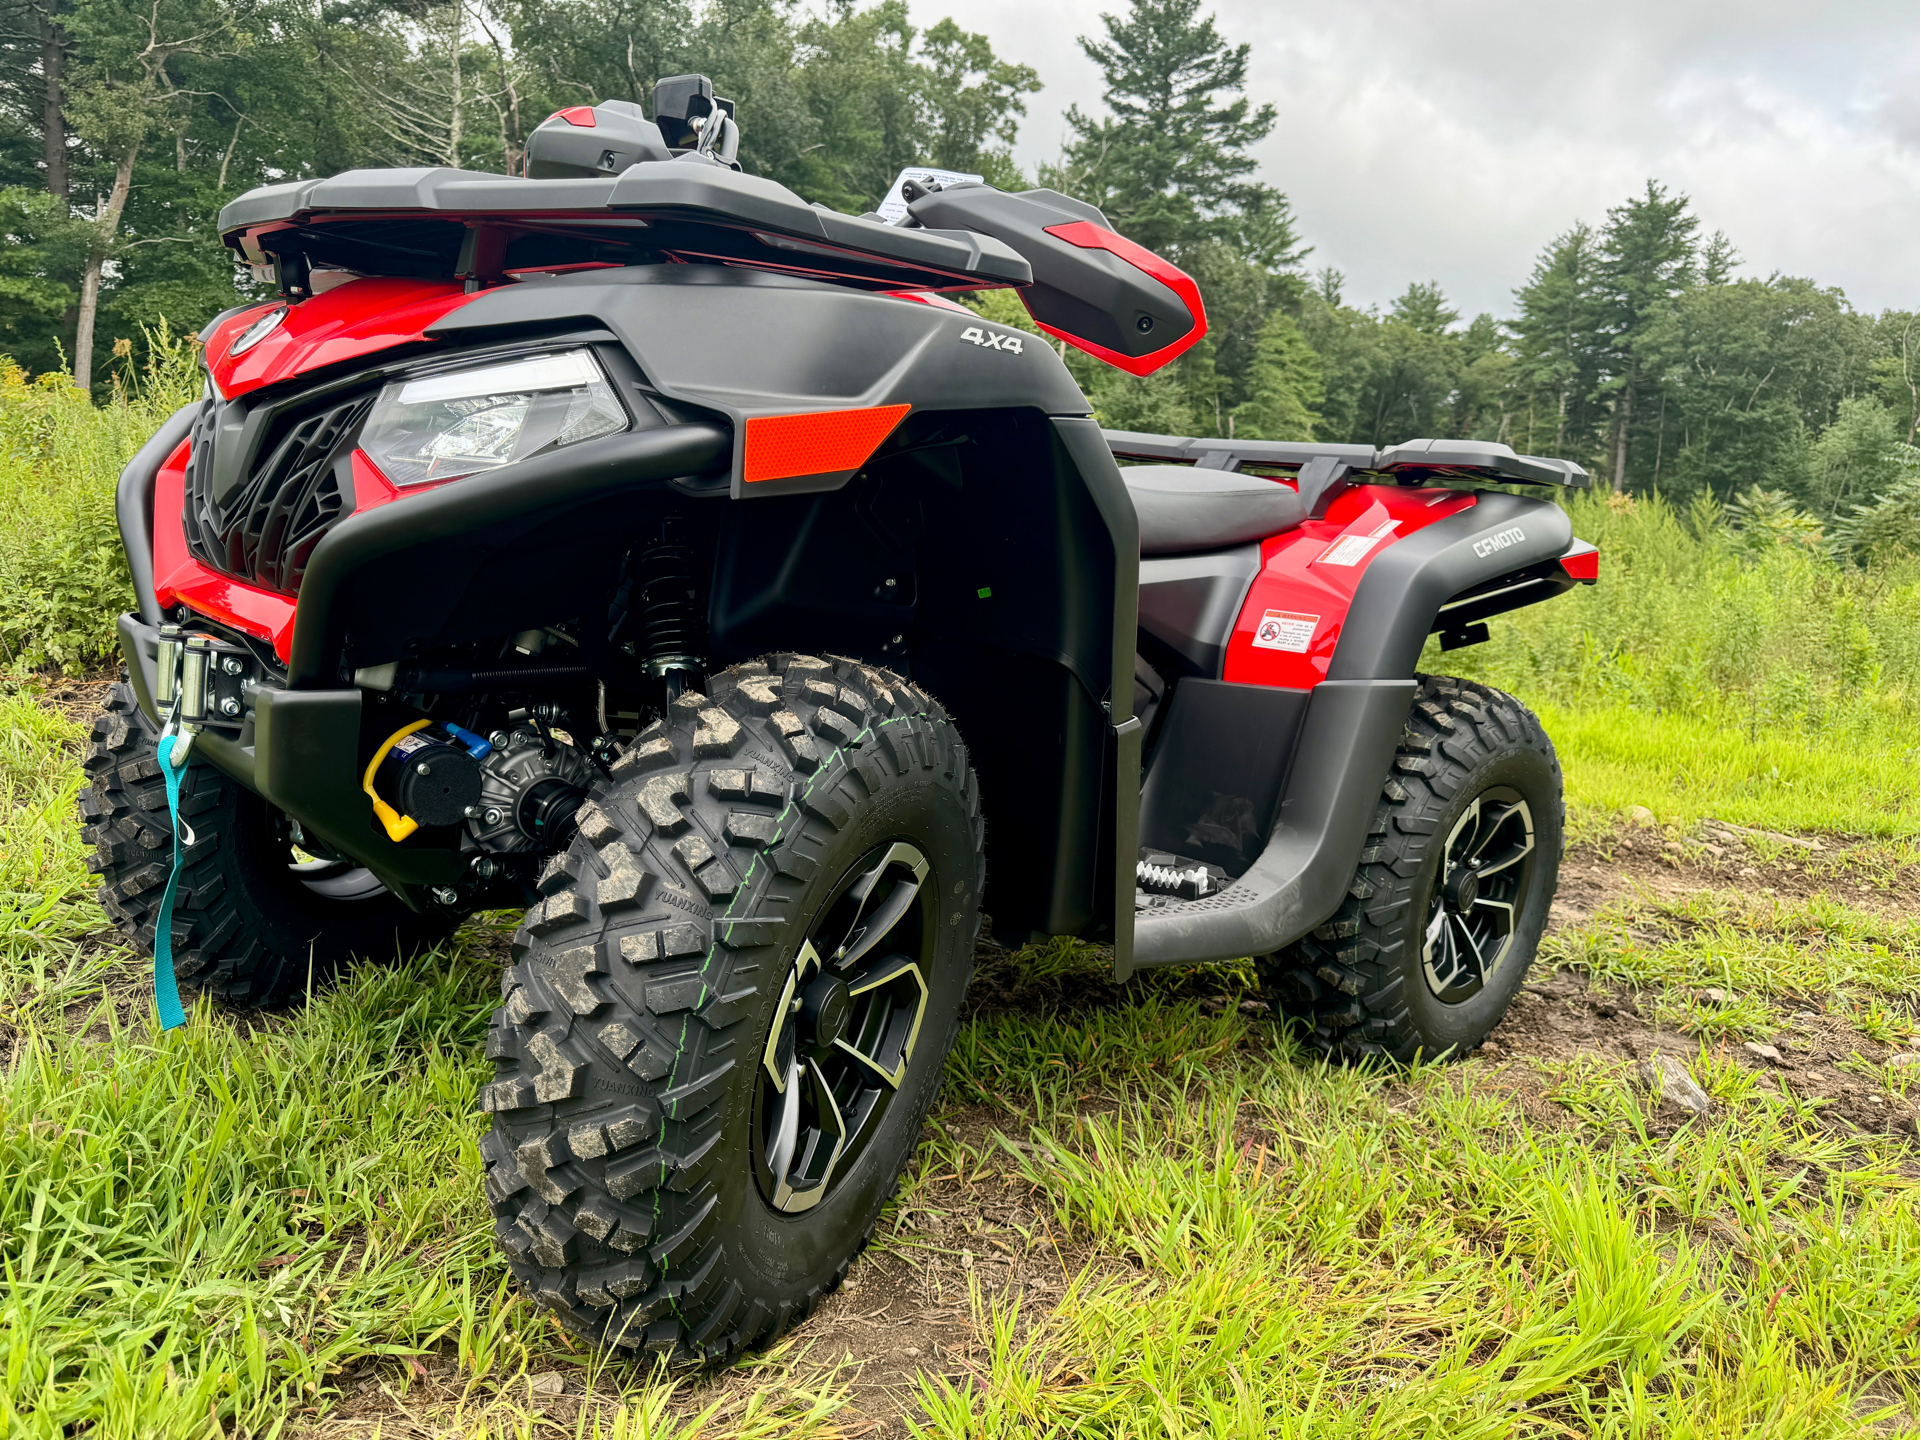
point(598, 543)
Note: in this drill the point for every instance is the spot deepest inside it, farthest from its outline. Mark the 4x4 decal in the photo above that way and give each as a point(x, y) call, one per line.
point(993, 340)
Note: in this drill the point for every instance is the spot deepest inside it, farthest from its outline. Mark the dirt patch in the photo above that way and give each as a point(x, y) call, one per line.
point(78, 698)
point(1878, 876)
point(1566, 1017)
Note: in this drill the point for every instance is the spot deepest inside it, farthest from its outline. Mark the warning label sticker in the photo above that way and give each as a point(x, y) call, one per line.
point(1285, 630)
point(1353, 549)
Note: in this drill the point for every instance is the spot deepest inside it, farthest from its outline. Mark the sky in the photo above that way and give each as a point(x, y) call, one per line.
point(1451, 142)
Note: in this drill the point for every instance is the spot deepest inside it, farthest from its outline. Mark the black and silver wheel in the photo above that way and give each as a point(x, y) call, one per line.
point(726, 1020)
point(256, 919)
point(846, 1025)
point(1452, 890)
point(1473, 910)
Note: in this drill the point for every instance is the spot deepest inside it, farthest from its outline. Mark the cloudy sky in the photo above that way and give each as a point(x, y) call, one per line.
point(1451, 141)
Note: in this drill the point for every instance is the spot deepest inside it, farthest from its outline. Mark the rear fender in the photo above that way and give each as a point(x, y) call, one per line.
point(1354, 596)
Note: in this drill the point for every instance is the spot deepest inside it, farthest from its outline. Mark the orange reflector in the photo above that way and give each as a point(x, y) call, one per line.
point(820, 442)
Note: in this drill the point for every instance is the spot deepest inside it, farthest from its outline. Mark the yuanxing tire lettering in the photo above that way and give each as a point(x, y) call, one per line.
point(251, 926)
point(628, 1165)
point(1451, 894)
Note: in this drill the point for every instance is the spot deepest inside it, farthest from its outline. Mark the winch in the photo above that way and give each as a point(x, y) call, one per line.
point(418, 779)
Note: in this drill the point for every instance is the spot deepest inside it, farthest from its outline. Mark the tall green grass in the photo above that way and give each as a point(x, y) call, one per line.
point(1711, 672)
point(62, 573)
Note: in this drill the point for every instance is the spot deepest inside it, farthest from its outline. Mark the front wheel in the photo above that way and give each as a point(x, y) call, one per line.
point(726, 1020)
point(256, 921)
point(1452, 890)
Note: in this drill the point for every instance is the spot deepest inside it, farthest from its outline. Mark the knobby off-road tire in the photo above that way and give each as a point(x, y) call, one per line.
point(663, 981)
point(248, 927)
point(1393, 973)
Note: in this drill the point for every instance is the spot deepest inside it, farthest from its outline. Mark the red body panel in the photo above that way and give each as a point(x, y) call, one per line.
point(1296, 607)
point(347, 322)
point(179, 579)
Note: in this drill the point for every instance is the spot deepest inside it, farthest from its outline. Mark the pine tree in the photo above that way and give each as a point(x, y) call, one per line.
point(1647, 261)
point(1169, 163)
point(1558, 338)
point(1719, 259)
point(1283, 385)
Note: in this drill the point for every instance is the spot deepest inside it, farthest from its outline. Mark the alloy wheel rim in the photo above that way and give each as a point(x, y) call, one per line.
point(1473, 910)
point(845, 1028)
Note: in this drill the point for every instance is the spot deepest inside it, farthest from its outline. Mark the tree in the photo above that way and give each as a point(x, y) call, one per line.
point(120, 97)
point(1742, 375)
point(1647, 260)
point(972, 99)
point(1893, 374)
point(1855, 460)
point(40, 242)
point(439, 89)
point(1558, 345)
point(1169, 163)
point(1283, 385)
point(1349, 345)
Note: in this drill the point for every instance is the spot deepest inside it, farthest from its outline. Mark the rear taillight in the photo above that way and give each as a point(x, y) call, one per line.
point(1582, 562)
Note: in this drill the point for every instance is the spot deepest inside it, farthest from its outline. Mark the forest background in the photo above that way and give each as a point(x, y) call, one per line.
point(1632, 347)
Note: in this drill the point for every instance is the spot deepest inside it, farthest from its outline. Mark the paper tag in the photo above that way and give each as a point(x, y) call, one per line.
point(895, 205)
point(1285, 630)
point(1353, 549)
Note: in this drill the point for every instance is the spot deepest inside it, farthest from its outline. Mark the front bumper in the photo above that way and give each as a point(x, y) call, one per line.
point(299, 750)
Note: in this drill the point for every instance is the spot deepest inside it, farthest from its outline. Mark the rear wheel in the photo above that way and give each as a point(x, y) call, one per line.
point(1452, 891)
point(255, 920)
point(726, 1020)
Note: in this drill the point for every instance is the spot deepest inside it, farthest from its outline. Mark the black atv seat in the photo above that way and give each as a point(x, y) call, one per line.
point(1182, 508)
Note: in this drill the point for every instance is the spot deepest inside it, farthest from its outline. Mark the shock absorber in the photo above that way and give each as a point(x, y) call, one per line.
point(669, 613)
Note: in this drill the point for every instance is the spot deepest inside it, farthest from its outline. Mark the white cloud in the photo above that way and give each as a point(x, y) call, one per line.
point(1423, 141)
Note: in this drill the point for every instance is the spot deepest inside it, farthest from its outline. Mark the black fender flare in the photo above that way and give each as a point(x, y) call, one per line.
point(474, 515)
point(1403, 591)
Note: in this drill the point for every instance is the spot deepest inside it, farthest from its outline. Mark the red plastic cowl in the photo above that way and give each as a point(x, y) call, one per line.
point(345, 323)
point(581, 115)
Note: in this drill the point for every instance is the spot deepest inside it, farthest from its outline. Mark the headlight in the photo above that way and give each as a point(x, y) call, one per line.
point(442, 427)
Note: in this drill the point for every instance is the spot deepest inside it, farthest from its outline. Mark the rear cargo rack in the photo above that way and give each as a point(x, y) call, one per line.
point(1412, 461)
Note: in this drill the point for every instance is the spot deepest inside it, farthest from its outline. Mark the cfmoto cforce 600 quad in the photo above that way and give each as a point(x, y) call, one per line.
point(637, 545)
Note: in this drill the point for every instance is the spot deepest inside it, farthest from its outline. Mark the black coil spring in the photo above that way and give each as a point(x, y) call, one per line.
point(671, 619)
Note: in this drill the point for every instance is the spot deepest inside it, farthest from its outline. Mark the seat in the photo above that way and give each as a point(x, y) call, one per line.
point(1183, 509)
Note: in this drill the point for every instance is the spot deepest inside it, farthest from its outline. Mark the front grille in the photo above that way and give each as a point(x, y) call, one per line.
point(268, 528)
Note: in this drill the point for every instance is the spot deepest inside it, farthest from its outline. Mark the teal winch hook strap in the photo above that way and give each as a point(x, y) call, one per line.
point(166, 993)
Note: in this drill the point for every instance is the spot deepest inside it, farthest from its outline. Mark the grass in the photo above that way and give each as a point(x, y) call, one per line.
point(239, 1227)
point(1308, 1259)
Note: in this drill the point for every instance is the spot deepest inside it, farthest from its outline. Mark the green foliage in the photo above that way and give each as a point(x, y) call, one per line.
point(62, 568)
point(1889, 526)
point(1720, 662)
point(1169, 164)
point(41, 247)
point(1857, 459)
point(1273, 1248)
point(1283, 386)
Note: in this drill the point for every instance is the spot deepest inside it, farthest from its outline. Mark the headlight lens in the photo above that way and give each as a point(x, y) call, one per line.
point(442, 427)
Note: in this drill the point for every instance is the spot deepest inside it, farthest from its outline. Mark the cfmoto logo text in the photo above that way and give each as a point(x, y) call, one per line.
point(1500, 540)
point(992, 340)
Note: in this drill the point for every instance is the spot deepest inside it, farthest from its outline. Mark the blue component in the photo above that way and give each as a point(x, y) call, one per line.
point(479, 747)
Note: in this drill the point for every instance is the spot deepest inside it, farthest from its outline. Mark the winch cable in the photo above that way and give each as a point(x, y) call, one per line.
point(172, 752)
